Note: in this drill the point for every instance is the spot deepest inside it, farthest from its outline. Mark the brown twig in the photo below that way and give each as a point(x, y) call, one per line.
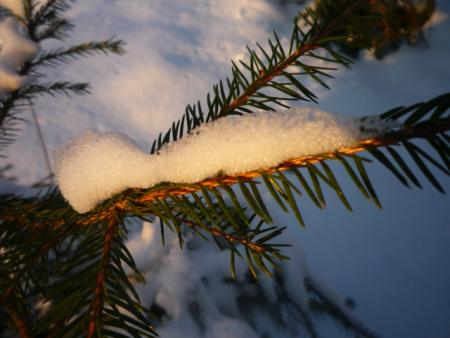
point(20, 318)
point(21, 326)
point(267, 76)
point(96, 309)
point(219, 233)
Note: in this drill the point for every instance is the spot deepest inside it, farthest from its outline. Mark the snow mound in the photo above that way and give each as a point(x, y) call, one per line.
point(198, 299)
point(96, 166)
point(15, 50)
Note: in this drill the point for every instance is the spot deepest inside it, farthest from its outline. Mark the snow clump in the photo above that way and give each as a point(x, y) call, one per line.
point(15, 6)
point(15, 50)
point(97, 166)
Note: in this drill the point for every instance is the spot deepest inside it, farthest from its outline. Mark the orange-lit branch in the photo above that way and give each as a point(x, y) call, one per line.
point(231, 238)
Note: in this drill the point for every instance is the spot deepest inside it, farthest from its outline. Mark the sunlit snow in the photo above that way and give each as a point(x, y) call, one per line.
point(96, 166)
point(15, 50)
point(15, 6)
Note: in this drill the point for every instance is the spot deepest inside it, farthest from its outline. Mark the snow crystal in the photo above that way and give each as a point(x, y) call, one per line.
point(15, 50)
point(96, 166)
point(15, 6)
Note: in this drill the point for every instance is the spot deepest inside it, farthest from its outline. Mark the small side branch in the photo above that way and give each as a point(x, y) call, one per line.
point(97, 305)
point(29, 261)
point(253, 246)
point(267, 76)
point(21, 326)
point(20, 318)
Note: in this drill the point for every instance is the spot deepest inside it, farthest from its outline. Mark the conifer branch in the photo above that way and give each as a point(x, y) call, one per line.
point(267, 75)
point(90, 269)
point(19, 315)
point(89, 290)
point(58, 56)
point(421, 130)
point(133, 200)
point(43, 22)
point(244, 241)
point(276, 69)
point(55, 88)
point(96, 309)
point(29, 258)
point(50, 9)
point(21, 326)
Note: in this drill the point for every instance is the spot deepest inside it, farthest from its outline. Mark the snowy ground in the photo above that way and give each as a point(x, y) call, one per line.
point(394, 263)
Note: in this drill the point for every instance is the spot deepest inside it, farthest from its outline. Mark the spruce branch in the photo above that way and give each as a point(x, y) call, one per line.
point(55, 57)
point(96, 308)
point(17, 311)
point(58, 29)
point(54, 88)
point(432, 129)
point(21, 326)
point(48, 11)
point(386, 24)
point(255, 241)
point(91, 269)
point(271, 77)
point(47, 22)
point(229, 237)
point(41, 22)
point(22, 260)
point(139, 202)
point(90, 290)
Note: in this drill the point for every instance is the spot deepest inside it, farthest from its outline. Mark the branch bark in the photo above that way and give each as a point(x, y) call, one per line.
point(96, 309)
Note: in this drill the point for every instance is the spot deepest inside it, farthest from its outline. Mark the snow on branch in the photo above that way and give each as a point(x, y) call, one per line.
point(96, 166)
point(14, 6)
point(15, 50)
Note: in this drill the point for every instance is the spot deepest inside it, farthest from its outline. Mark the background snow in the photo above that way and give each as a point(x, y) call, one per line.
point(393, 262)
point(15, 50)
point(199, 301)
point(15, 6)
